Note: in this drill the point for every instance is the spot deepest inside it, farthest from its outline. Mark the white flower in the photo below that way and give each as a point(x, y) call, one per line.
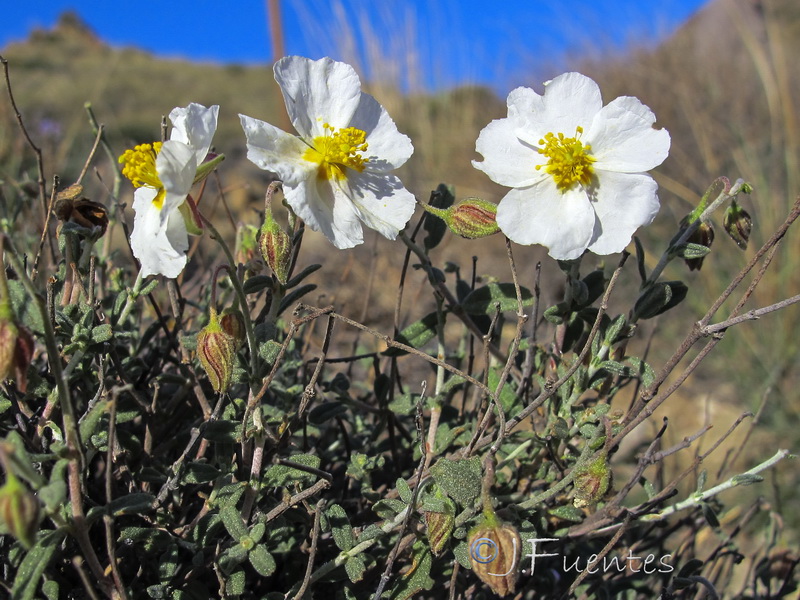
point(163, 174)
point(336, 175)
point(577, 168)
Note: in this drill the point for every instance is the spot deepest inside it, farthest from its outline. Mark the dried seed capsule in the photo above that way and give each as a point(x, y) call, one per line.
point(494, 551)
point(738, 224)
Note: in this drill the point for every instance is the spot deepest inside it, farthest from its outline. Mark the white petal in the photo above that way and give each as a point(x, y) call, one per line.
point(623, 203)
point(314, 201)
point(176, 167)
point(380, 201)
point(507, 160)
point(317, 92)
point(194, 126)
point(387, 148)
point(161, 249)
point(570, 100)
point(623, 138)
point(274, 150)
point(541, 214)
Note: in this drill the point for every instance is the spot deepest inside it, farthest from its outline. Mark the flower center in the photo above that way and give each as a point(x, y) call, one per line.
point(568, 159)
point(336, 149)
point(140, 168)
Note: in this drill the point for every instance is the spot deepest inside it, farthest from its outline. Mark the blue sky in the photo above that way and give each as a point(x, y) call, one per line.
point(432, 44)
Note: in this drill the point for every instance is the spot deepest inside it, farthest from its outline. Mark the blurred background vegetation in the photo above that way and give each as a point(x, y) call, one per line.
point(725, 85)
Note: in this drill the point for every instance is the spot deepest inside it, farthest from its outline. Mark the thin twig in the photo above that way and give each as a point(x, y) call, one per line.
point(312, 553)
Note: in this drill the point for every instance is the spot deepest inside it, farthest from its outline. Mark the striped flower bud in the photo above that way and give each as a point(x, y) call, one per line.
point(19, 510)
point(494, 551)
point(276, 247)
point(591, 482)
point(217, 351)
point(471, 218)
point(439, 526)
point(232, 322)
point(8, 339)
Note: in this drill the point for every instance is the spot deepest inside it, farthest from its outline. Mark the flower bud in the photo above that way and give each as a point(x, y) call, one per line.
point(439, 526)
point(591, 482)
point(494, 551)
point(738, 224)
point(19, 510)
point(8, 339)
point(232, 322)
point(471, 218)
point(276, 247)
point(23, 355)
point(217, 351)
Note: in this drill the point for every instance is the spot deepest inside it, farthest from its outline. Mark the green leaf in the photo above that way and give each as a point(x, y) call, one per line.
point(461, 552)
point(295, 295)
point(404, 404)
point(659, 298)
point(691, 251)
point(34, 564)
point(232, 520)
point(484, 300)
point(643, 369)
point(27, 312)
point(568, 513)
point(229, 432)
point(640, 258)
point(282, 475)
point(442, 197)
point(355, 568)
point(269, 350)
point(262, 561)
point(419, 580)
point(388, 508)
point(326, 411)
point(199, 472)
point(415, 335)
point(302, 275)
point(701, 481)
point(341, 530)
point(132, 504)
point(256, 283)
point(89, 422)
point(614, 330)
point(459, 479)
point(235, 584)
point(102, 333)
point(404, 490)
point(508, 397)
point(746, 479)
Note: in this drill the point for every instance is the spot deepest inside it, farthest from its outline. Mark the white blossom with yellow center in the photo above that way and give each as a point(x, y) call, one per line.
point(577, 168)
point(163, 174)
point(336, 174)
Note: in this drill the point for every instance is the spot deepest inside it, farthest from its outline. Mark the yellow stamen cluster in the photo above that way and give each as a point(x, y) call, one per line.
point(568, 159)
point(140, 168)
point(337, 149)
